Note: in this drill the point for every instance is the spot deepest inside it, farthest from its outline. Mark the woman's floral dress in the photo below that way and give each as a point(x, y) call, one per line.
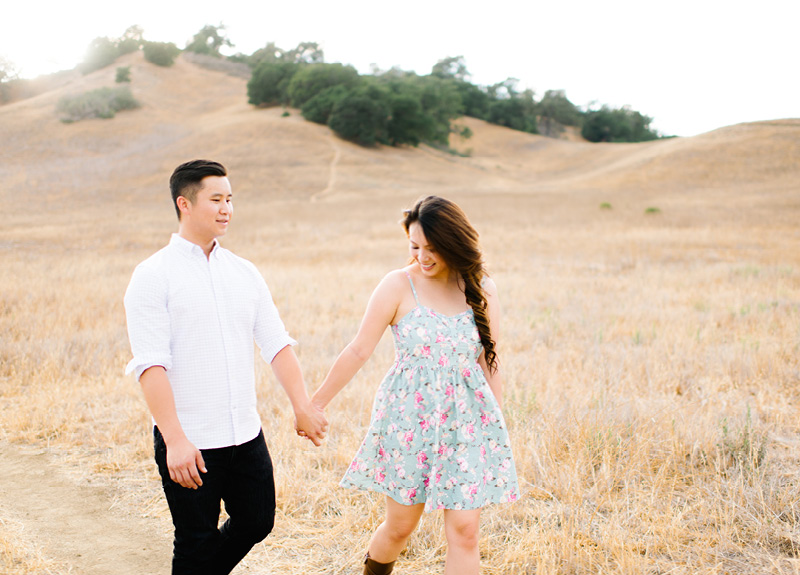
point(437, 434)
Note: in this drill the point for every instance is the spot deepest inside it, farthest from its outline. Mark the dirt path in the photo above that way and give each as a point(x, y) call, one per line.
point(75, 524)
point(337, 155)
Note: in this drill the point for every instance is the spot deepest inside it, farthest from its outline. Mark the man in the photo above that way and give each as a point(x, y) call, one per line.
point(194, 310)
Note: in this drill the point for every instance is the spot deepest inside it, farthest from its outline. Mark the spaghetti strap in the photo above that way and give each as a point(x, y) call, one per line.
point(413, 289)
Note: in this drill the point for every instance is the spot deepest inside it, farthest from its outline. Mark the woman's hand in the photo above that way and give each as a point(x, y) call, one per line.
point(311, 423)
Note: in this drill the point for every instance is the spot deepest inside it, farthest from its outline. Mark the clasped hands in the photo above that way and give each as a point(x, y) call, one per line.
point(311, 423)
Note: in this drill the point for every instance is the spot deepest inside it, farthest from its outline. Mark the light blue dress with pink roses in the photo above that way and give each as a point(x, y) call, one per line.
point(437, 434)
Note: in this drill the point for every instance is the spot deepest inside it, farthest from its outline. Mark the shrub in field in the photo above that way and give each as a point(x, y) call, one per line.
point(100, 103)
point(104, 51)
point(318, 109)
point(408, 123)
point(123, 74)
point(131, 40)
point(8, 74)
point(422, 108)
point(475, 99)
point(361, 117)
point(209, 40)
point(556, 111)
point(313, 79)
point(441, 104)
point(161, 53)
point(101, 53)
point(269, 85)
point(517, 112)
point(609, 124)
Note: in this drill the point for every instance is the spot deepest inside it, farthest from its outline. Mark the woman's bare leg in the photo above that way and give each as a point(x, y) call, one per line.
point(462, 529)
point(392, 535)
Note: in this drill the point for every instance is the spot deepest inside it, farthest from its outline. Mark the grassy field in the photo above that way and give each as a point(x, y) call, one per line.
point(651, 369)
point(651, 355)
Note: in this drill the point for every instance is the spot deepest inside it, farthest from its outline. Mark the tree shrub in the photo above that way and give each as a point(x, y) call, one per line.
point(131, 40)
point(100, 103)
point(516, 113)
point(474, 100)
point(102, 52)
point(556, 106)
point(123, 74)
point(318, 109)
point(451, 68)
point(8, 73)
point(361, 117)
point(161, 53)
point(312, 79)
point(269, 54)
point(208, 41)
point(617, 125)
point(408, 122)
point(304, 53)
point(269, 84)
point(441, 103)
point(556, 111)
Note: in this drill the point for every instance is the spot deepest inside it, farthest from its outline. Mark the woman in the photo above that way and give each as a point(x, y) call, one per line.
point(437, 439)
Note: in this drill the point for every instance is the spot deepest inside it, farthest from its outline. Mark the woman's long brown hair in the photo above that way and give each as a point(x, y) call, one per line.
point(450, 233)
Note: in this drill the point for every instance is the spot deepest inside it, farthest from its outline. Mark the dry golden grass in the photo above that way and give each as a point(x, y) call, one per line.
point(651, 359)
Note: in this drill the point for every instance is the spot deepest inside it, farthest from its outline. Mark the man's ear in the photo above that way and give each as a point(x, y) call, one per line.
point(183, 204)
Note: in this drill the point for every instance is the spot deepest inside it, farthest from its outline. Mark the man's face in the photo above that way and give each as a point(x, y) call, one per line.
point(209, 215)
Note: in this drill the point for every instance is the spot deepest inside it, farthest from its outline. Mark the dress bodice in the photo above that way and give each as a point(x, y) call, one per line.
point(425, 335)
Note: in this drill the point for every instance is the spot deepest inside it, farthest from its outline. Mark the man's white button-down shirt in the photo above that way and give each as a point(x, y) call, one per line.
point(198, 318)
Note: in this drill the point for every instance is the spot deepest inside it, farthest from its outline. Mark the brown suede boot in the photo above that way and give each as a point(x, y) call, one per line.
point(372, 567)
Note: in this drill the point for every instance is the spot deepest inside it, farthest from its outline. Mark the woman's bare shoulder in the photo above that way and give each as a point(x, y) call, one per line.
point(395, 281)
point(396, 276)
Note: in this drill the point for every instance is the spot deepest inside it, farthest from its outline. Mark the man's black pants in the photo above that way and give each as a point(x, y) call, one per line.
point(241, 476)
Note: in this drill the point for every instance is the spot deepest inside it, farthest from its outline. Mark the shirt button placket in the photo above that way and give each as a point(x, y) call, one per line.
point(220, 303)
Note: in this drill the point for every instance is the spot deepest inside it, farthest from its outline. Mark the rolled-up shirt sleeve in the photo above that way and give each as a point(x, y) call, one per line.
point(268, 331)
point(148, 320)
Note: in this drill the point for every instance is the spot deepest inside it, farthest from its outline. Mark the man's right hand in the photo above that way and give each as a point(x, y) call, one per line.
point(185, 463)
point(311, 423)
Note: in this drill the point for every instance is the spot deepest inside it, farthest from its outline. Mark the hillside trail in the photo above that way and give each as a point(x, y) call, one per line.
point(337, 155)
point(75, 524)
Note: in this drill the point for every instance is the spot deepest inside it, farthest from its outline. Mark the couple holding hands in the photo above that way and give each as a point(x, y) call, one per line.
point(436, 439)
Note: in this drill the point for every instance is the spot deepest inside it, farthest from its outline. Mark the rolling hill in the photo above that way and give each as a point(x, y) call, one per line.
point(188, 111)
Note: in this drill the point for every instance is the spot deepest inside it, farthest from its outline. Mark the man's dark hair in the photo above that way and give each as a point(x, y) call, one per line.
point(186, 179)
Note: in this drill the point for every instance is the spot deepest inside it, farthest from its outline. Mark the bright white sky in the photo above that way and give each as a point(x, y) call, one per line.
point(692, 65)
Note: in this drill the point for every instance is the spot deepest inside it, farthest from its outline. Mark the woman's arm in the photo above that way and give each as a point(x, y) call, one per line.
point(381, 310)
point(493, 378)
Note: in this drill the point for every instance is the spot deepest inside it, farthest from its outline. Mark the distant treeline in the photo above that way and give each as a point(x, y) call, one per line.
point(392, 107)
point(398, 107)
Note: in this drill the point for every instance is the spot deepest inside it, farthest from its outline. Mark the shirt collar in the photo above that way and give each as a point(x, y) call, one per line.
point(188, 248)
